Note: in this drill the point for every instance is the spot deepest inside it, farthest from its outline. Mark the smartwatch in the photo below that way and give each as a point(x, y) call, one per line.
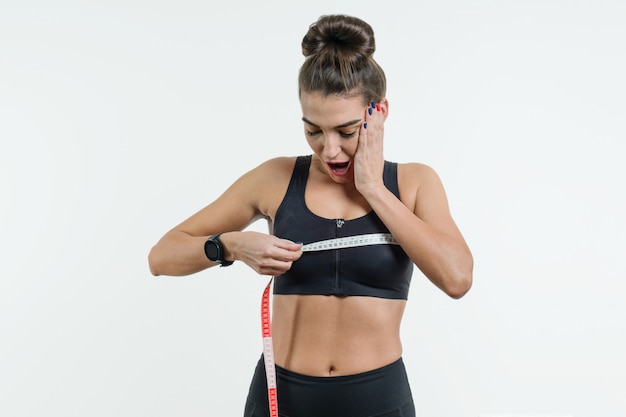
point(214, 250)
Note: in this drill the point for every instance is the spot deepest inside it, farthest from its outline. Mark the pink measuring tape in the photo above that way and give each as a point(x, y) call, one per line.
point(266, 322)
point(268, 351)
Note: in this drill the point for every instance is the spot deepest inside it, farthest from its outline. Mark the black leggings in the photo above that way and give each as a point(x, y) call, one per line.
point(383, 392)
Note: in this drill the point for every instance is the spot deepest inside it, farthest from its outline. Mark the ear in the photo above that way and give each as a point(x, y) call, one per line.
point(384, 107)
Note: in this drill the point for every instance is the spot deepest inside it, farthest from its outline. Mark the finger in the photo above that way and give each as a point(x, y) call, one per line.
point(369, 114)
point(282, 250)
point(277, 268)
point(288, 245)
point(366, 121)
point(373, 125)
point(284, 255)
point(372, 116)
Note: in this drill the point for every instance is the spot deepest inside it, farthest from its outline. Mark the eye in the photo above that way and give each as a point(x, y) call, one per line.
point(348, 135)
point(313, 133)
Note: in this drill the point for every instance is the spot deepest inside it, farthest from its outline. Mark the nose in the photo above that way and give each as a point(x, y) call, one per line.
point(332, 146)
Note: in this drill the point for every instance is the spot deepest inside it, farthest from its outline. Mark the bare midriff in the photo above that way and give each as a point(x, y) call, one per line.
point(325, 335)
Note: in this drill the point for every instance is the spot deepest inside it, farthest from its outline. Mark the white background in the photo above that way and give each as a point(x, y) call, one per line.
point(118, 119)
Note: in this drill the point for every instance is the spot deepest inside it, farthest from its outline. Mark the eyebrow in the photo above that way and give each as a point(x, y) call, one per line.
point(347, 124)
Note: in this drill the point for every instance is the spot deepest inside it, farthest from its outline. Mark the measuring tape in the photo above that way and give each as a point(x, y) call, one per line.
point(266, 326)
point(268, 351)
point(351, 242)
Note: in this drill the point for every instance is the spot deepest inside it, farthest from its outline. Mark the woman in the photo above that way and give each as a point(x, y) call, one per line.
point(336, 313)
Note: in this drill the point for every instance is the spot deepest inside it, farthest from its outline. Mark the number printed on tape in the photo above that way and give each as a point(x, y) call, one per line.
point(351, 242)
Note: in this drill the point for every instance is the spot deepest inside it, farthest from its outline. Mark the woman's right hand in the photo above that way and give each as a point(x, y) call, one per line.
point(265, 253)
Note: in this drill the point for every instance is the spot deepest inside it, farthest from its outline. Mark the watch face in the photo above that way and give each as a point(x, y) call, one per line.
point(210, 248)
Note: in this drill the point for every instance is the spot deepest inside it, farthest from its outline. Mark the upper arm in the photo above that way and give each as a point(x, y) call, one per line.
point(429, 200)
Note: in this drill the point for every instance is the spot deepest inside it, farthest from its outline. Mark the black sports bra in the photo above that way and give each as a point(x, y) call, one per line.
point(377, 271)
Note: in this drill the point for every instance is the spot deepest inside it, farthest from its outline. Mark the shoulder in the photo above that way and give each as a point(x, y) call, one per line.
point(281, 164)
point(416, 180)
point(265, 175)
point(267, 183)
point(415, 169)
point(270, 172)
point(416, 175)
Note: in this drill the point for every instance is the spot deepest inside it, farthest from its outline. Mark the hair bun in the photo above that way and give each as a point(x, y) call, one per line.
point(339, 37)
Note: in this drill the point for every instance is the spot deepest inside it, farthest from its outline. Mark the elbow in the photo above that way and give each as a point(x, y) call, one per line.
point(460, 287)
point(460, 282)
point(153, 264)
point(155, 272)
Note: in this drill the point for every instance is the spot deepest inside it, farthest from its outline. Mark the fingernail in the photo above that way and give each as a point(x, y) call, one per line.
point(365, 125)
point(373, 104)
point(298, 243)
point(377, 106)
point(369, 111)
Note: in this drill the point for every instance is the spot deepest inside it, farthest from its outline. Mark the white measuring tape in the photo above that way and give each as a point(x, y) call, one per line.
point(351, 242)
point(268, 347)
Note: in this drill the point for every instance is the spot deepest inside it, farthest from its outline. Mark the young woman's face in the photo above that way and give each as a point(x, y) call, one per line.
point(331, 126)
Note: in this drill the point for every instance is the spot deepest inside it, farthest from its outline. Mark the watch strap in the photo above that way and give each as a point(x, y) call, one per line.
point(215, 239)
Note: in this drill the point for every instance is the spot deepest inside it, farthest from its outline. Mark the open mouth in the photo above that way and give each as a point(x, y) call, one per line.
point(339, 167)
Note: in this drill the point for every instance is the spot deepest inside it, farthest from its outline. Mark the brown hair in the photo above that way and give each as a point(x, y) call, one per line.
point(338, 51)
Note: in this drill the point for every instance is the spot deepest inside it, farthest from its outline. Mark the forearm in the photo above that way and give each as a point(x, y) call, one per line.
point(178, 253)
point(443, 258)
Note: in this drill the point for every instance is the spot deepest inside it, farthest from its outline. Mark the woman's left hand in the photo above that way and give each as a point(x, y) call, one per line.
point(368, 159)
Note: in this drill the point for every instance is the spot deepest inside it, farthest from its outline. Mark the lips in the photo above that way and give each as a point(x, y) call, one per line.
point(338, 168)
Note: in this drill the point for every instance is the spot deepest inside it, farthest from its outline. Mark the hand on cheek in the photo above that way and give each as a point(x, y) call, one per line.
point(369, 160)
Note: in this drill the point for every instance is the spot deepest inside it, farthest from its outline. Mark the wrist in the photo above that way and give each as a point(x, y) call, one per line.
point(215, 251)
point(372, 190)
point(229, 240)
